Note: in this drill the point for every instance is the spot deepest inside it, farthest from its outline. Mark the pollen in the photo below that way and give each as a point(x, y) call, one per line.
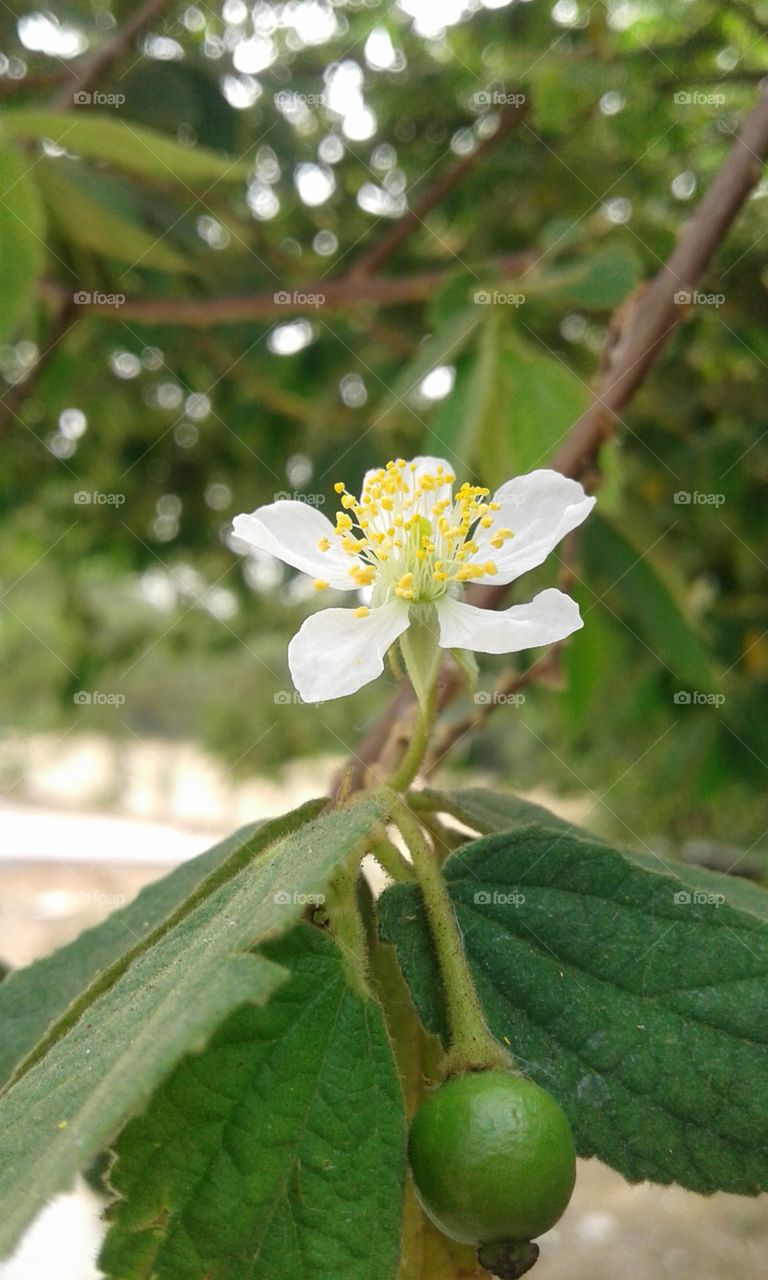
point(362, 612)
point(410, 536)
point(319, 585)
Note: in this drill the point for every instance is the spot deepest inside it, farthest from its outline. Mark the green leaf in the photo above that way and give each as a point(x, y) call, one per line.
point(22, 247)
point(467, 414)
point(104, 1058)
point(602, 279)
point(441, 347)
point(34, 997)
point(487, 811)
point(87, 220)
point(639, 1006)
point(129, 147)
point(278, 1151)
point(636, 587)
point(542, 400)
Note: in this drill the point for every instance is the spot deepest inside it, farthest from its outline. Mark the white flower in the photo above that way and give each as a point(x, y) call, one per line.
point(414, 543)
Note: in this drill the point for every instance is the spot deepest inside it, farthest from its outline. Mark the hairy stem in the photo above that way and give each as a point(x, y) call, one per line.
point(472, 1046)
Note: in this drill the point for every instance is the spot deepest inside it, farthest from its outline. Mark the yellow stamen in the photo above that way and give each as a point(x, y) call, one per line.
point(362, 612)
point(319, 585)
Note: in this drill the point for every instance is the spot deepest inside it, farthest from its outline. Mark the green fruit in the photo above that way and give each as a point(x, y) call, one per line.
point(492, 1157)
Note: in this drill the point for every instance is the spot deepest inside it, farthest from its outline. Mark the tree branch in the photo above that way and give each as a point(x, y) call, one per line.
point(201, 313)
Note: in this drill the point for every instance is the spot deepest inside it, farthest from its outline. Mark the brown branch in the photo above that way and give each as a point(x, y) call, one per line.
point(639, 329)
point(382, 251)
point(201, 313)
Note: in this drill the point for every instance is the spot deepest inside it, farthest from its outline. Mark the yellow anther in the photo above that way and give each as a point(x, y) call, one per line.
point(339, 486)
point(319, 585)
point(324, 544)
point(362, 612)
point(486, 522)
point(490, 567)
point(347, 501)
point(343, 521)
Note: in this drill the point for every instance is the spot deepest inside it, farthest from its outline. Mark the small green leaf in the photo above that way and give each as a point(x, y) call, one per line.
point(129, 147)
point(468, 413)
point(542, 400)
point(83, 218)
point(640, 1005)
point(278, 1151)
point(637, 589)
point(421, 651)
point(601, 279)
point(487, 811)
point(103, 1059)
point(22, 247)
point(441, 347)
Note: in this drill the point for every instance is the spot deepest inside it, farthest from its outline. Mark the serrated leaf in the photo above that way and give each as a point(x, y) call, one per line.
point(637, 588)
point(34, 997)
point(22, 247)
point(103, 1060)
point(278, 1151)
point(643, 1012)
point(132, 148)
point(87, 221)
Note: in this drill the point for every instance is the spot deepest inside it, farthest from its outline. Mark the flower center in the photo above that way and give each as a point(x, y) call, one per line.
point(409, 537)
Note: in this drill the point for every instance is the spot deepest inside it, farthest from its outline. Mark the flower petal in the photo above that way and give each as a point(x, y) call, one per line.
point(335, 653)
point(540, 509)
point(292, 531)
point(550, 616)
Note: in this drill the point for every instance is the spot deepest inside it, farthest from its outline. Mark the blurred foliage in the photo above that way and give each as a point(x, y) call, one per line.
point(213, 165)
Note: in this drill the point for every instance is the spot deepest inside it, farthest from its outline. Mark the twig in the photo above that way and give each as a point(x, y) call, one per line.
point(345, 292)
point(383, 250)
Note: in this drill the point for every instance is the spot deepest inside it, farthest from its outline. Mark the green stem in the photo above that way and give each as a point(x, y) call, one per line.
point(345, 922)
point(409, 765)
point(390, 858)
point(472, 1046)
